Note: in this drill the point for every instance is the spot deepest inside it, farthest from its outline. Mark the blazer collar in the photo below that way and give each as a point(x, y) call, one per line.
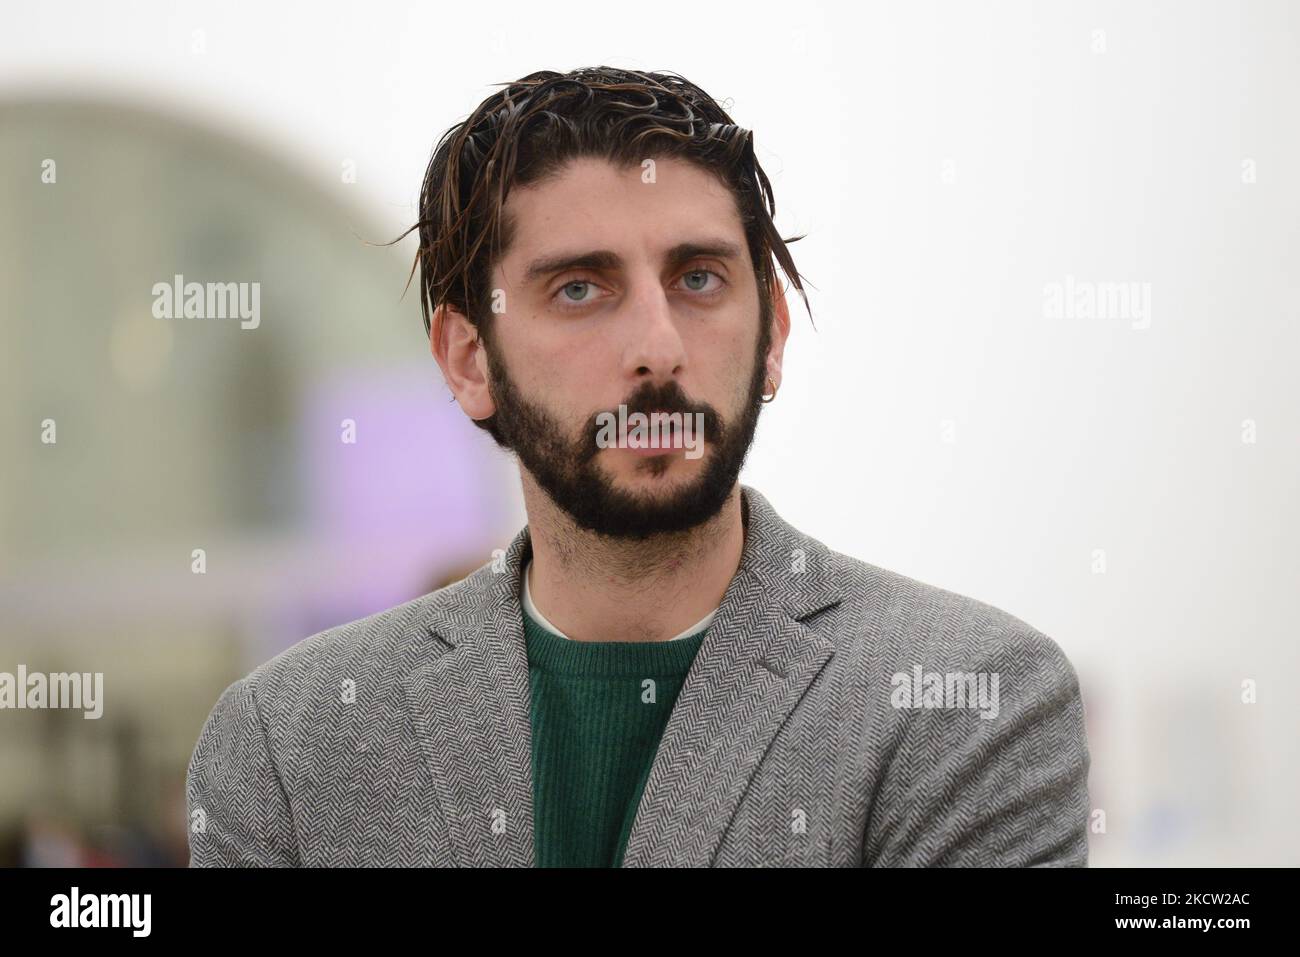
point(470, 706)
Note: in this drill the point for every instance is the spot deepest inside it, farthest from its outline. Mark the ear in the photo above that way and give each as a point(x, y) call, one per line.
point(462, 356)
point(780, 332)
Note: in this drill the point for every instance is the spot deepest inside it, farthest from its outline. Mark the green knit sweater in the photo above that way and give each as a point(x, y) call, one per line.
point(598, 712)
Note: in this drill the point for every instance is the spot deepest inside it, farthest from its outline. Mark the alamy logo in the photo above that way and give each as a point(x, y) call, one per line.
point(214, 300)
point(658, 430)
point(81, 690)
point(955, 689)
point(1077, 299)
point(102, 910)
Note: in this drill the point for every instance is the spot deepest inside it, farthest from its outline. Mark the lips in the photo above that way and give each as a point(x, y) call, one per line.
point(650, 430)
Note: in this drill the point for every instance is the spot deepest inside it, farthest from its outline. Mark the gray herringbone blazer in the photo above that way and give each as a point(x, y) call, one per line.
point(791, 742)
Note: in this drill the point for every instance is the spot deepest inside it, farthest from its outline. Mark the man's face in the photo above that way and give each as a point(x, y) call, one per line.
point(640, 293)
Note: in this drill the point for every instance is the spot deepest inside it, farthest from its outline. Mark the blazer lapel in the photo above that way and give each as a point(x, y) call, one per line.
point(755, 663)
point(470, 709)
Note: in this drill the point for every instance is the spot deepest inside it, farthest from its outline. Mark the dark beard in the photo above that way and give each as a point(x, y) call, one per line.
point(566, 468)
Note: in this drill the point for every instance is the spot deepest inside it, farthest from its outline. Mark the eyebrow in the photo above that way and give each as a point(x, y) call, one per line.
point(606, 259)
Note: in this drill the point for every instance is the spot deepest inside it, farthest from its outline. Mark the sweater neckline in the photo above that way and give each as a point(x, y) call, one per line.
point(553, 654)
point(531, 610)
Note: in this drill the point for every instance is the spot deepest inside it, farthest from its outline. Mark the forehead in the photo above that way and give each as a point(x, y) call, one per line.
point(591, 202)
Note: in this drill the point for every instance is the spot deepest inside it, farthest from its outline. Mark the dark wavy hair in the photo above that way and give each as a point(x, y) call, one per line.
point(530, 129)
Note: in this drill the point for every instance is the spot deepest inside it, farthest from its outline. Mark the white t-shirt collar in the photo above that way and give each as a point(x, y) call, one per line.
point(531, 609)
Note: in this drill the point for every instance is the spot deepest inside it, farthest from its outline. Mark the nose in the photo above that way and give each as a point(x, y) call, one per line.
point(655, 351)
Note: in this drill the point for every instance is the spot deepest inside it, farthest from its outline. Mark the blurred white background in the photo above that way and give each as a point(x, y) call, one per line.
point(1127, 485)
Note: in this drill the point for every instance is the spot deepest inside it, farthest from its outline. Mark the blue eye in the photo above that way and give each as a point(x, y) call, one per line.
point(568, 286)
point(701, 274)
point(575, 294)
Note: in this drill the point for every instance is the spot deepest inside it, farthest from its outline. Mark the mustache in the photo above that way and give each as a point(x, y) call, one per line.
point(648, 402)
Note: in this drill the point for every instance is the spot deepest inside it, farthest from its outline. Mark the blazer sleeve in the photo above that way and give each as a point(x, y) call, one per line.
point(1010, 791)
point(238, 812)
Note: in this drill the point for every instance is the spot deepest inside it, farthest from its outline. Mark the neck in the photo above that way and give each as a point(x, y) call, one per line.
point(596, 588)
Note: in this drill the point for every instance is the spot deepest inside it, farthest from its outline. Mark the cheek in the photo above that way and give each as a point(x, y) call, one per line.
point(727, 378)
point(742, 339)
point(569, 378)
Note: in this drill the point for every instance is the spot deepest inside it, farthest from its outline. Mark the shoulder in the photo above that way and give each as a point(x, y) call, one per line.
point(370, 654)
point(890, 621)
point(881, 622)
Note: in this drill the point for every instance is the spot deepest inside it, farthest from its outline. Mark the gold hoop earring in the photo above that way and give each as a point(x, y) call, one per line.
point(768, 398)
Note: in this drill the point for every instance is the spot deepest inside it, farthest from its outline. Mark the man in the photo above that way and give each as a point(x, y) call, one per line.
point(659, 670)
